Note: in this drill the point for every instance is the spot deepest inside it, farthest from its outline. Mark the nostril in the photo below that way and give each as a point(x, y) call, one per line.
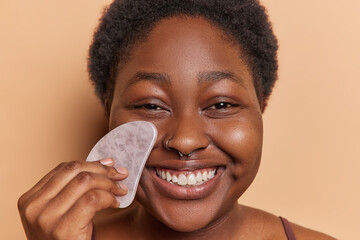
point(186, 145)
point(181, 154)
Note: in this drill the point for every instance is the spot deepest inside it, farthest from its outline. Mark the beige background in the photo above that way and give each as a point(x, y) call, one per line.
point(311, 159)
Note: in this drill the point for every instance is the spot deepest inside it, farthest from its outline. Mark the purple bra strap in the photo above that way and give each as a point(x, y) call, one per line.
point(93, 233)
point(288, 230)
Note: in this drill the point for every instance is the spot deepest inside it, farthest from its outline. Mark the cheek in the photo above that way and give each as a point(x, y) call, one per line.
point(242, 142)
point(119, 117)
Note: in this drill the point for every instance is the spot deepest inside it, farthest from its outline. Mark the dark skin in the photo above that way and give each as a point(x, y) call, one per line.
point(195, 85)
point(206, 104)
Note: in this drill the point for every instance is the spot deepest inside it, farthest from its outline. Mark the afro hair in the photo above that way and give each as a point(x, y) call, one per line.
point(128, 22)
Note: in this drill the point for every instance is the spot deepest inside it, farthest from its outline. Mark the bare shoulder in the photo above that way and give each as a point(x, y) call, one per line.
point(265, 224)
point(273, 228)
point(306, 233)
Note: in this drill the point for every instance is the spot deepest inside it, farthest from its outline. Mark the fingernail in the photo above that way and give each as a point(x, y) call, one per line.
point(123, 187)
point(117, 203)
point(121, 170)
point(107, 162)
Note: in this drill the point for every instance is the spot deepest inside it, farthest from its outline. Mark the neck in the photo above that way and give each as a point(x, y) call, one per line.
point(227, 227)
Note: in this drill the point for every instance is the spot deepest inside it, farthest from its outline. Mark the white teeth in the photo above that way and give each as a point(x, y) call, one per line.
point(186, 179)
point(211, 174)
point(204, 176)
point(191, 180)
point(174, 179)
point(199, 177)
point(168, 177)
point(182, 180)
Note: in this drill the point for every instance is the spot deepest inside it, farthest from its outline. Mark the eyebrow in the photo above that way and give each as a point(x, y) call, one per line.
point(210, 76)
point(148, 76)
point(219, 75)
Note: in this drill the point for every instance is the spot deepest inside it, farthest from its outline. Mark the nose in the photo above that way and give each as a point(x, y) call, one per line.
point(186, 136)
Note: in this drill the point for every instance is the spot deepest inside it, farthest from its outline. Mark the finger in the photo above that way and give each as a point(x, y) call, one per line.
point(62, 177)
point(81, 213)
point(35, 203)
point(82, 183)
point(108, 162)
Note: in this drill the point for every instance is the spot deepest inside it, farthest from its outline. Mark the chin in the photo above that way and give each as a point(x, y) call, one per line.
point(187, 215)
point(190, 216)
point(184, 216)
point(195, 208)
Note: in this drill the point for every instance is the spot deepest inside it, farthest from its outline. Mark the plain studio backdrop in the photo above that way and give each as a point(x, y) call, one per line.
point(311, 157)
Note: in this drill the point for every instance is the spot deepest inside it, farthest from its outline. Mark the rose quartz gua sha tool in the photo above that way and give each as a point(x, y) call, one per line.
point(129, 145)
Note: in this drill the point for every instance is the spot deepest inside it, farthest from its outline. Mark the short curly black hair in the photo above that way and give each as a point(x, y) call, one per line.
point(127, 22)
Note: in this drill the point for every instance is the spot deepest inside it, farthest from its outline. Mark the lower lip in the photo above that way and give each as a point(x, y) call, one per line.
point(186, 193)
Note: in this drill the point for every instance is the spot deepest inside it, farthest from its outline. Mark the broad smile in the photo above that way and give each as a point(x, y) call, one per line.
point(186, 178)
point(185, 184)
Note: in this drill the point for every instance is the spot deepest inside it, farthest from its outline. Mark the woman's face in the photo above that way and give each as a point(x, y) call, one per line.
point(194, 85)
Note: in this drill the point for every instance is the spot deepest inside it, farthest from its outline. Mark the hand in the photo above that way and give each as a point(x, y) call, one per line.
point(62, 204)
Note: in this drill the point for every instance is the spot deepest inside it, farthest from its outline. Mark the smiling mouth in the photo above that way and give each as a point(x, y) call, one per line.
point(186, 178)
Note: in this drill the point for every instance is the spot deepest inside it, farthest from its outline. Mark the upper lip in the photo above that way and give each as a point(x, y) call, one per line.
point(185, 165)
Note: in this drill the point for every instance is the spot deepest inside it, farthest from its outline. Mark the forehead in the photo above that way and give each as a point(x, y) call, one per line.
point(184, 46)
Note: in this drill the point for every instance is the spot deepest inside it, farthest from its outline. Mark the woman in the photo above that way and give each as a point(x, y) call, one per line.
point(202, 72)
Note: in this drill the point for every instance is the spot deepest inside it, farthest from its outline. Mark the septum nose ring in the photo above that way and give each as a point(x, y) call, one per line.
point(180, 153)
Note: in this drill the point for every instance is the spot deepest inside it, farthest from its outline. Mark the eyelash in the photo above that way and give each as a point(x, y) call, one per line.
point(148, 106)
point(222, 105)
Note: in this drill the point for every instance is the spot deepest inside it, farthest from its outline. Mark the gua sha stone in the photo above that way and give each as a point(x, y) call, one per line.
point(129, 145)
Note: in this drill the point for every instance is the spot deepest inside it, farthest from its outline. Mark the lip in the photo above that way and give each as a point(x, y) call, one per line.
point(185, 165)
point(186, 193)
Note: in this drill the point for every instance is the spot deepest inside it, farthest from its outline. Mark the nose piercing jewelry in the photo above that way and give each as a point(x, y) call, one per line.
point(180, 153)
point(167, 144)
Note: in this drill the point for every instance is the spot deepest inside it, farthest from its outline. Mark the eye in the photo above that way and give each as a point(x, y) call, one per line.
point(148, 106)
point(221, 105)
point(222, 108)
